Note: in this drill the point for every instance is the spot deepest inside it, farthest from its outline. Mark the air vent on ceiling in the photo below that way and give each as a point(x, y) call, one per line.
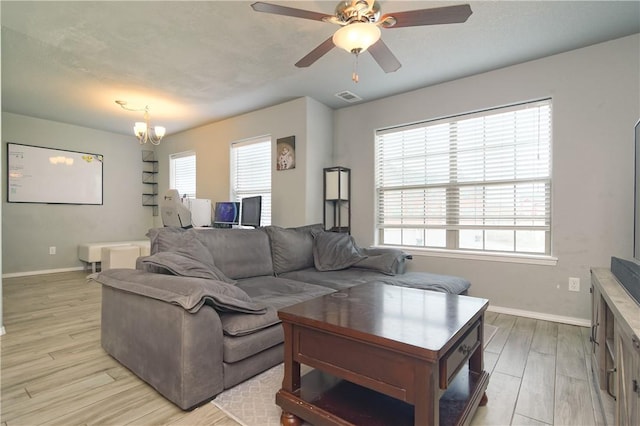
point(348, 96)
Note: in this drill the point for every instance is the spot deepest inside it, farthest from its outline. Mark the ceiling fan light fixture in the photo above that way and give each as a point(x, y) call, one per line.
point(356, 37)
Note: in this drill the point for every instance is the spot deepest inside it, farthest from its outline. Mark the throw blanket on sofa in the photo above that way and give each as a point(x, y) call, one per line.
point(190, 293)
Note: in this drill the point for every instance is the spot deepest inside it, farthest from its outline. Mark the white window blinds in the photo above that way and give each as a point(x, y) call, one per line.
point(183, 173)
point(251, 173)
point(474, 182)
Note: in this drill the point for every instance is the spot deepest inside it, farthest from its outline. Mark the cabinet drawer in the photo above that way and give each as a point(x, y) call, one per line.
point(451, 363)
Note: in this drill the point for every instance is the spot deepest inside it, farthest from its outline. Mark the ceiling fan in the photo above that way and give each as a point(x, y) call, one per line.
point(360, 22)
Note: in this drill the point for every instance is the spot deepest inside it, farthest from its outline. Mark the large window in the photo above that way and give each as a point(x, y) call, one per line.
point(183, 173)
point(477, 181)
point(251, 173)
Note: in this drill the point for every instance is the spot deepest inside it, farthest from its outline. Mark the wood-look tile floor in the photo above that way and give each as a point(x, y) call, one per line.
point(54, 371)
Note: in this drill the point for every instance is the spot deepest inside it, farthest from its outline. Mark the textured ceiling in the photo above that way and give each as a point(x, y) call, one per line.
point(199, 62)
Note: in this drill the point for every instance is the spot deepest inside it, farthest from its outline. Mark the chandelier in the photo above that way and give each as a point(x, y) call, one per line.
point(142, 129)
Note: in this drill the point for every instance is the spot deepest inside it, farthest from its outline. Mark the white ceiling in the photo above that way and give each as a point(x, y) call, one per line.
point(202, 61)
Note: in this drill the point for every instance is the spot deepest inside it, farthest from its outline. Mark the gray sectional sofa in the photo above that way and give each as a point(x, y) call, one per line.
point(199, 315)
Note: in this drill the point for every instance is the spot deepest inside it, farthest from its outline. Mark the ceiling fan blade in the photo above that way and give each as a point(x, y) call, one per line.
point(434, 16)
point(384, 57)
point(289, 11)
point(316, 53)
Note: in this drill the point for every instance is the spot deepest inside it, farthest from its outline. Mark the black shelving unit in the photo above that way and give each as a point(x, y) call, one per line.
point(150, 181)
point(337, 199)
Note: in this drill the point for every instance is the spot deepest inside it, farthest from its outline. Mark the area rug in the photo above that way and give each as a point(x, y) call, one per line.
point(252, 403)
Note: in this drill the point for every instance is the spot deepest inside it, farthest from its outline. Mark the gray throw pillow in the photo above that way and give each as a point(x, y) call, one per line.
point(163, 239)
point(291, 248)
point(189, 248)
point(333, 251)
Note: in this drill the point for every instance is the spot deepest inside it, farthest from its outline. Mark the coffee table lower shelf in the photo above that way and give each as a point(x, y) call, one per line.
point(327, 400)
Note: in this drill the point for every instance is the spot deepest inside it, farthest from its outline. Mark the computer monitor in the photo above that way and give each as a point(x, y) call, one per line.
point(226, 214)
point(251, 211)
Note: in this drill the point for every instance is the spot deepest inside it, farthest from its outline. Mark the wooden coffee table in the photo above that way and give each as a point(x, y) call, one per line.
point(383, 355)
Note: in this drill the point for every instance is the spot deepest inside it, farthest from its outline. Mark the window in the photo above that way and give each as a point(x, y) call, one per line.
point(477, 181)
point(183, 173)
point(251, 173)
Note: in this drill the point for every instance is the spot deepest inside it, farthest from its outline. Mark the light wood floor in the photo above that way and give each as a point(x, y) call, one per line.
point(53, 370)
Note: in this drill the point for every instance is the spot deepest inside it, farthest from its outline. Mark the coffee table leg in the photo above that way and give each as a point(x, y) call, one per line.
point(476, 361)
point(291, 379)
point(288, 419)
point(484, 400)
point(427, 403)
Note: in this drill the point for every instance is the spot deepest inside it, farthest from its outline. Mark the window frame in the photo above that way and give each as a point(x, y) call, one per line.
point(237, 195)
point(172, 172)
point(451, 246)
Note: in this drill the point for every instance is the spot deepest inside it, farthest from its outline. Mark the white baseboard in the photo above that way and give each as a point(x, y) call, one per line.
point(581, 322)
point(45, 271)
point(2, 331)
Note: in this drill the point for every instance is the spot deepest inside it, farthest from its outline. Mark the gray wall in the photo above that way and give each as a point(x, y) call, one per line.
point(28, 230)
point(319, 155)
point(291, 190)
point(2, 171)
point(595, 106)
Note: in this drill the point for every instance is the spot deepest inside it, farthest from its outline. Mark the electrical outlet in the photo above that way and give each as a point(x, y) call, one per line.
point(52, 250)
point(574, 284)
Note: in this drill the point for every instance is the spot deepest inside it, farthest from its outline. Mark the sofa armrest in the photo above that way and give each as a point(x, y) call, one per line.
point(176, 352)
point(388, 260)
point(373, 251)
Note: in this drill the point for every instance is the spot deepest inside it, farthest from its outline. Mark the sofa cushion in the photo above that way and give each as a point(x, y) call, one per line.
point(237, 348)
point(234, 324)
point(346, 278)
point(333, 251)
point(291, 248)
point(239, 253)
point(280, 292)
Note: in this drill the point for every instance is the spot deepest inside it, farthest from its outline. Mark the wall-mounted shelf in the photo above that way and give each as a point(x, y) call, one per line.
point(150, 180)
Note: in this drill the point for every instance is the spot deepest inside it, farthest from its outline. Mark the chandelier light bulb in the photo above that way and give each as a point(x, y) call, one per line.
point(160, 131)
point(140, 128)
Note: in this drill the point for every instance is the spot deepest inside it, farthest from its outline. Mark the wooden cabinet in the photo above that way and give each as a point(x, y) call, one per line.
point(628, 375)
point(615, 348)
point(602, 342)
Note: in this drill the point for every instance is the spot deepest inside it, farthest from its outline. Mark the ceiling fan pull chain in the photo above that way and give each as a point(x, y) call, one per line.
point(355, 76)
